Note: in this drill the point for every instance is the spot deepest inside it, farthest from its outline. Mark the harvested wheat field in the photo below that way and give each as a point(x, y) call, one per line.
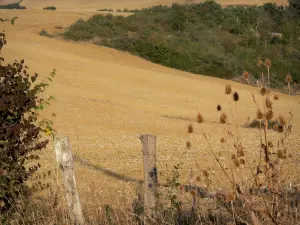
point(105, 98)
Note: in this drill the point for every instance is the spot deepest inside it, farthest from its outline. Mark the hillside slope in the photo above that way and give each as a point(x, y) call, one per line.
point(119, 4)
point(105, 98)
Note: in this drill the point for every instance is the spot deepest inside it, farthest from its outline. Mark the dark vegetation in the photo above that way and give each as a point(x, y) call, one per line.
point(205, 38)
point(21, 131)
point(45, 33)
point(49, 8)
point(105, 10)
point(13, 6)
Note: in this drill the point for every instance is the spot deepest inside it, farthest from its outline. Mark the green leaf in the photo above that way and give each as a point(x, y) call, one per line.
point(13, 20)
point(42, 107)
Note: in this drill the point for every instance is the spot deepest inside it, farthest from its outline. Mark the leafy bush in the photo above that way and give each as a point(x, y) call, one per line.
point(12, 6)
point(49, 8)
point(105, 10)
point(203, 38)
point(21, 131)
point(43, 32)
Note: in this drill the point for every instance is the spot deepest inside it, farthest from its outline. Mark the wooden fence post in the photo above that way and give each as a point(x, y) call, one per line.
point(65, 161)
point(150, 172)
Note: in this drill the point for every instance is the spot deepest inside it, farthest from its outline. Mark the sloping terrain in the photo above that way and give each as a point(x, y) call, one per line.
point(105, 98)
point(119, 4)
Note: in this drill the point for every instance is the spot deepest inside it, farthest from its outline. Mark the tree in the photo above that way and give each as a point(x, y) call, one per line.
point(294, 6)
point(21, 131)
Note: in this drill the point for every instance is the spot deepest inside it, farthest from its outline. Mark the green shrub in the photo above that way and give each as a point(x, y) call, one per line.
point(12, 6)
point(43, 32)
point(105, 10)
point(49, 8)
point(203, 38)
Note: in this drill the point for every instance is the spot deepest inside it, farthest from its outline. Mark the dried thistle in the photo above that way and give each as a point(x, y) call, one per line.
point(288, 78)
point(260, 63)
point(223, 118)
point(199, 118)
point(280, 154)
point(268, 63)
point(270, 144)
point(228, 89)
point(269, 115)
point(230, 196)
point(235, 96)
point(190, 128)
point(276, 97)
point(281, 120)
point(242, 162)
point(259, 114)
point(188, 145)
point(246, 75)
point(280, 129)
point(275, 127)
point(205, 173)
point(236, 163)
point(263, 91)
point(269, 103)
point(219, 108)
point(193, 193)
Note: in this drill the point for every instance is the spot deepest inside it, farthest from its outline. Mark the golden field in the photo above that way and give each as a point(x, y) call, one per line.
point(106, 98)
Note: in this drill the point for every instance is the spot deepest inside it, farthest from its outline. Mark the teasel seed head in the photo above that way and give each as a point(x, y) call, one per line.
point(280, 154)
point(190, 128)
point(223, 118)
point(259, 114)
point(270, 144)
point(235, 96)
point(260, 63)
point(205, 173)
point(275, 127)
point(230, 196)
point(222, 140)
point(280, 129)
point(281, 120)
point(269, 115)
point(263, 91)
point(268, 63)
point(246, 75)
point(193, 193)
point(188, 145)
point(288, 78)
point(228, 89)
point(242, 162)
point(219, 108)
point(199, 118)
point(269, 103)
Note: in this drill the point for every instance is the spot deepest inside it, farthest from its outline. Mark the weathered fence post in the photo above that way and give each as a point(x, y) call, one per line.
point(150, 172)
point(65, 161)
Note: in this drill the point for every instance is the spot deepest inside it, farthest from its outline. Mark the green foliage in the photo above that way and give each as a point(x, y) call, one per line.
point(105, 10)
point(21, 132)
point(43, 32)
point(49, 8)
point(12, 6)
point(203, 38)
